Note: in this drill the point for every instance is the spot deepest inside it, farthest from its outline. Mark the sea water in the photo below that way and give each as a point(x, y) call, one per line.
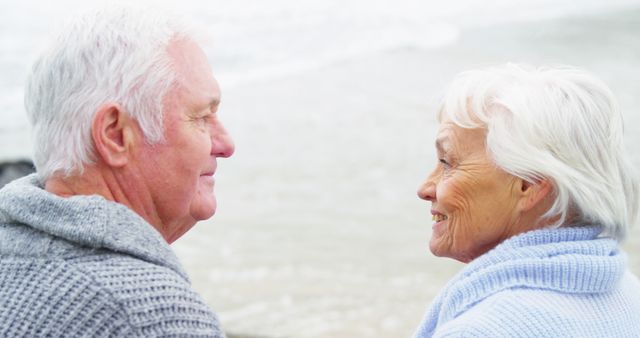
point(265, 39)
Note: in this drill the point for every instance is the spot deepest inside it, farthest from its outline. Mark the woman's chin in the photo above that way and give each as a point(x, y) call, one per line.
point(441, 248)
point(436, 246)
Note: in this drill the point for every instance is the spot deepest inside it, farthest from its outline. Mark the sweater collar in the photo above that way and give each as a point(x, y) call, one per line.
point(90, 221)
point(568, 259)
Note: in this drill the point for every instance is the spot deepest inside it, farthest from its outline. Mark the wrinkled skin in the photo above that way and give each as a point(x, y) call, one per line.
point(483, 204)
point(179, 173)
point(170, 184)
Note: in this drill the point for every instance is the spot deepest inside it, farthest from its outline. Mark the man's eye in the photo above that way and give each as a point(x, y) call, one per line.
point(204, 118)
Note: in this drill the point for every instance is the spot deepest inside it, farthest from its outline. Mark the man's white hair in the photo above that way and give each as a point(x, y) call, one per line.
point(556, 123)
point(116, 55)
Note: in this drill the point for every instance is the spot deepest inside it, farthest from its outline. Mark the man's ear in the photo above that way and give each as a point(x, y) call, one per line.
point(532, 193)
point(111, 131)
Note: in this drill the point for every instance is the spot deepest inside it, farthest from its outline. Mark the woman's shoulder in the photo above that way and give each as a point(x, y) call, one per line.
point(526, 312)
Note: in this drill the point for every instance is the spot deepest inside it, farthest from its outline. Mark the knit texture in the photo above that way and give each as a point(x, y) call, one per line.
point(85, 266)
point(564, 282)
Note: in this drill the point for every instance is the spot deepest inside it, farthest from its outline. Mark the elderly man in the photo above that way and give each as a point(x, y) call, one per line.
point(124, 114)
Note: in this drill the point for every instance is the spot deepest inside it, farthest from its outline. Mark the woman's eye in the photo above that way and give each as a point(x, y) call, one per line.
point(444, 163)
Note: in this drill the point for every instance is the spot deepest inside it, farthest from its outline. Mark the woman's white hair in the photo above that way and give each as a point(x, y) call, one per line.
point(116, 55)
point(556, 123)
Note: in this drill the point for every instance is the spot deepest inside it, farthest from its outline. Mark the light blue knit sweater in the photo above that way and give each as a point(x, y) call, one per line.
point(565, 282)
point(85, 266)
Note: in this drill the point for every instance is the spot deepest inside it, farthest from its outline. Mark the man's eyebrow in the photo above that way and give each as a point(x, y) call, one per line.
point(211, 105)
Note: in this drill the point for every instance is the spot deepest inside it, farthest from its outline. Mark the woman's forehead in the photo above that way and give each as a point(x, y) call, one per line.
point(451, 136)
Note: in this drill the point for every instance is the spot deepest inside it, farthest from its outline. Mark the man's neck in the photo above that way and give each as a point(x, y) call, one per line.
point(115, 186)
point(91, 182)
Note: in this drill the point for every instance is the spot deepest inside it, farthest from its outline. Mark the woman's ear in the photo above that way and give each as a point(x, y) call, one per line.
point(111, 134)
point(533, 193)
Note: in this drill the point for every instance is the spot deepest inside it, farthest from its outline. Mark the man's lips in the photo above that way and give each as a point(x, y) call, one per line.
point(208, 176)
point(209, 172)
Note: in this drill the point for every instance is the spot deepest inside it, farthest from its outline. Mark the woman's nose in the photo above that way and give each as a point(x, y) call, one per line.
point(427, 190)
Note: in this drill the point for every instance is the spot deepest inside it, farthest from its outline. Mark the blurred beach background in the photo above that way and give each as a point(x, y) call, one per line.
point(331, 103)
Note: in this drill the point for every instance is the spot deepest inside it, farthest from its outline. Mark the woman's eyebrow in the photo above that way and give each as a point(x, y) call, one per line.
point(442, 144)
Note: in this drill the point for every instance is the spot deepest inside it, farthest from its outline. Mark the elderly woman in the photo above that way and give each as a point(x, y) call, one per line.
point(534, 190)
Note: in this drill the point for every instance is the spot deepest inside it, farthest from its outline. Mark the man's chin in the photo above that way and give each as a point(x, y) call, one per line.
point(204, 211)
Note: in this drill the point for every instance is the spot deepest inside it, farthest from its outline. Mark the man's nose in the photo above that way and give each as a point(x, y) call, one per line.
point(222, 144)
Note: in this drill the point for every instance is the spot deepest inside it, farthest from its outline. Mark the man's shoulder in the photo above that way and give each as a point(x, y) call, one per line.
point(114, 269)
point(47, 296)
point(96, 288)
point(154, 297)
point(132, 280)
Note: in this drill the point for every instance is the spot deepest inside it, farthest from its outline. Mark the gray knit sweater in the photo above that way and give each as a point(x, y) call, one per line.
point(85, 266)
